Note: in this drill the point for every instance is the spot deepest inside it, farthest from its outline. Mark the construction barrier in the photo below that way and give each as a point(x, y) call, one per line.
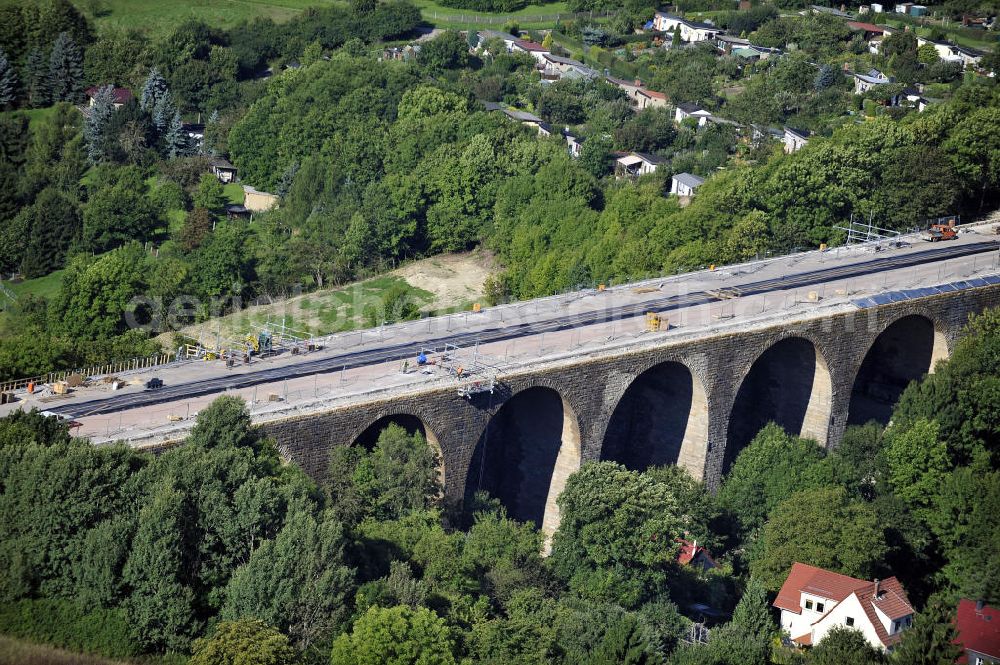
point(97, 370)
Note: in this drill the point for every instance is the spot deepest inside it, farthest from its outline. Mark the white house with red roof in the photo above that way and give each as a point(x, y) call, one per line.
point(119, 96)
point(813, 601)
point(536, 51)
point(978, 627)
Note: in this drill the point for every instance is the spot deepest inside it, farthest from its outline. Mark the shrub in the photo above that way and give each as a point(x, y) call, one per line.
point(64, 624)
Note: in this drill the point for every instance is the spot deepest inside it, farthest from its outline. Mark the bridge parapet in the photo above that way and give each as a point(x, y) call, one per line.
point(907, 338)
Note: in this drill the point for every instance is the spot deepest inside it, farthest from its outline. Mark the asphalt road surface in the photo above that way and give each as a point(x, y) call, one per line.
point(502, 332)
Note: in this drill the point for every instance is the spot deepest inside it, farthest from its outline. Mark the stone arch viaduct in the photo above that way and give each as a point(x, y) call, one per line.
point(693, 402)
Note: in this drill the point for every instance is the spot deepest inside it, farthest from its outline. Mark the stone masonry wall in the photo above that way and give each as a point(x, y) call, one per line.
point(592, 388)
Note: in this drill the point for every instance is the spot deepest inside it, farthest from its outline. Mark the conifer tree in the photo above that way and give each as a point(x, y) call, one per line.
point(55, 225)
point(175, 141)
point(8, 81)
point(208, 146)
point(36, 80)
point(96, 128)
point(66, 70)
point(624, 644)
point(825, 77)
point(152, 90)
point(931, 639)
point(753, 613)
point(287, 178)
point(163, 113)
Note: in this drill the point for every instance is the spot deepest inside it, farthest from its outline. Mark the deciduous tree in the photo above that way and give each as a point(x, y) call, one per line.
point(197, 227)
point(211, 195)
point(395, 636)
point(822, 527)
point(161, 605)
point(766, 472)
point(118, 211)
point(845, 646)
point(96, 294)
point(616, 537)
point(917, 463)
point(243, 642)
point(297, 582)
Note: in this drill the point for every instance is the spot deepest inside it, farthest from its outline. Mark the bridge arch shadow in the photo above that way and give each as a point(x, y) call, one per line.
point(905, 351)
point(526, 453)
point(409, 422)
point(788, 384)
point(661, 419)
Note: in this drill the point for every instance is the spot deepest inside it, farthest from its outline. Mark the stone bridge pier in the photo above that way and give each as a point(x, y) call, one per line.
point(687, 400)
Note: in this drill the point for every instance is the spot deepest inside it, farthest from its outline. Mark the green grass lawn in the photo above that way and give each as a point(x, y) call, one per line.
point(157, 17)
point(24, 653)
point(954, 32)
point(533, 16)
point(233, 192)
point(319, 313)
point(46, 287)
point(34, 116)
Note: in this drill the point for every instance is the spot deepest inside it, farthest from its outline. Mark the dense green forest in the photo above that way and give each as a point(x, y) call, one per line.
point(218, 547)
point(381, 161)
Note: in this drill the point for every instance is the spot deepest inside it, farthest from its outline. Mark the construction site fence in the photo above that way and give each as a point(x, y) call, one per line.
point(97, 370)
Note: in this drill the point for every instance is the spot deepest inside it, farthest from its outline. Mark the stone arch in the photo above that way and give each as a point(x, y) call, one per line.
point(527, 451)
point(412, 424)
point(789, 384)
point(907, 349)
point(661, 418)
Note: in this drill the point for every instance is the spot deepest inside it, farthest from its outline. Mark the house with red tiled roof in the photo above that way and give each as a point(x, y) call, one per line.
point(813, 601)
point(691, 554)
point(870, 30)
point(978, 627)
point(119, 96)
point(536, 51)
point(646, 98)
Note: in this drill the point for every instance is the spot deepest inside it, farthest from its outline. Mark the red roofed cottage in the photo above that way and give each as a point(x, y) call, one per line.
point(120, 96)
point(692, 554)
point(812, 601)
